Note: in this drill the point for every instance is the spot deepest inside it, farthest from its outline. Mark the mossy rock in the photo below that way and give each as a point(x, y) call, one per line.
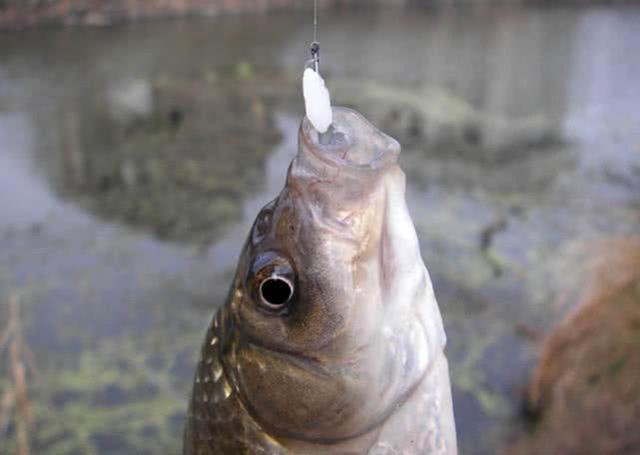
point(585, 394)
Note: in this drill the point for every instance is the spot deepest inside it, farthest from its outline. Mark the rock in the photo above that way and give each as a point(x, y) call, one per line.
point(585, 393)
point(130, 99)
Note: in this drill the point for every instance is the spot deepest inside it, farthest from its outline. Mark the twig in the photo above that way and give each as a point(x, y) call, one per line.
point(6, 405)
point(6, 334)
point(16, 394)
point(30, 360)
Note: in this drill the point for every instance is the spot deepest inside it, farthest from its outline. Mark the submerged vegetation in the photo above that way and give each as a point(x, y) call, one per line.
point(114, 399)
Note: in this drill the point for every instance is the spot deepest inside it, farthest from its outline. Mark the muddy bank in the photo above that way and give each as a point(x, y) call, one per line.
point(16, 14)
point(20, 13)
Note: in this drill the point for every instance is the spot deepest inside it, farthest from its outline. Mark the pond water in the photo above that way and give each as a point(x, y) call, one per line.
point(134, 158)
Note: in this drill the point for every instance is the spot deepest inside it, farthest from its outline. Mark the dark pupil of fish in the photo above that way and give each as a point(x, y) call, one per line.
point(275, 291)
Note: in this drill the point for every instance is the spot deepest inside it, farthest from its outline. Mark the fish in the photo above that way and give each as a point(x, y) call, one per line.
point(331, 340)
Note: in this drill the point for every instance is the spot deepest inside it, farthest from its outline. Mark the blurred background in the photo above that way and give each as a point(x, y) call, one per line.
point(135, 154)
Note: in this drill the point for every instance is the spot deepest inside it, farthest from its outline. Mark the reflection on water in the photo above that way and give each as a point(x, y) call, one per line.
point(23, 199)
point(132, 164)
point(176, 159)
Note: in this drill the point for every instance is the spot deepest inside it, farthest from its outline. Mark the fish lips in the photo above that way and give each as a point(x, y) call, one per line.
point(339, 168)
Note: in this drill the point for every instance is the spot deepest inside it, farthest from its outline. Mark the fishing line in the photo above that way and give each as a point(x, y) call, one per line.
point(315, 45)
point(315, 21)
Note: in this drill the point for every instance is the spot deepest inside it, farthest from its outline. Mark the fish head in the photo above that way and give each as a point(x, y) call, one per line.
point(335, 320)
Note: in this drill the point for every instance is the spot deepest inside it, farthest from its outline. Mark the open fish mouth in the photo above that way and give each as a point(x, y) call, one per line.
point(338, 173)
point(351, 142)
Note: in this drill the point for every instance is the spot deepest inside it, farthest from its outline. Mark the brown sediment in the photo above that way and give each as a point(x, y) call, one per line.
point(585, 392)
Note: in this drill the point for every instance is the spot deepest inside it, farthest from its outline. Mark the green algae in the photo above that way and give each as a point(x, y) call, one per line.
point(149, 400)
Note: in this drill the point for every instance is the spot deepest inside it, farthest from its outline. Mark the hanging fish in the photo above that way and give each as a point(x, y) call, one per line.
point(331, 340)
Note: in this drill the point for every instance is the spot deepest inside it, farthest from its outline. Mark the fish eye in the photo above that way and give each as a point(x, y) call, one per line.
point(271, 281)
point(276, 291)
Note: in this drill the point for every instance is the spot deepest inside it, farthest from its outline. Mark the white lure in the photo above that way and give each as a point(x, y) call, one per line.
point(317, 100)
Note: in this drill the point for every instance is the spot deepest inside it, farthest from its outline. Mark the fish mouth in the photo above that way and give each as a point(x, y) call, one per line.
point(351, 142)
point(337, 172)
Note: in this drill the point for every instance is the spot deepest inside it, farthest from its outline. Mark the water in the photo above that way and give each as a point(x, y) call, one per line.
point(134, 158)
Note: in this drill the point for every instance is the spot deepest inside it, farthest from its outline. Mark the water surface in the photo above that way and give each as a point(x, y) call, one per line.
point(134, 158)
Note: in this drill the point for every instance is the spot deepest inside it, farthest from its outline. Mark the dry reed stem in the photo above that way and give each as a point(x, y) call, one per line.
point(6, 405)
point(16, 396)
point(6, 335)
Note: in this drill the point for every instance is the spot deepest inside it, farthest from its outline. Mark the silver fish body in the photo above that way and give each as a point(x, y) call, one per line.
point(331, 340)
